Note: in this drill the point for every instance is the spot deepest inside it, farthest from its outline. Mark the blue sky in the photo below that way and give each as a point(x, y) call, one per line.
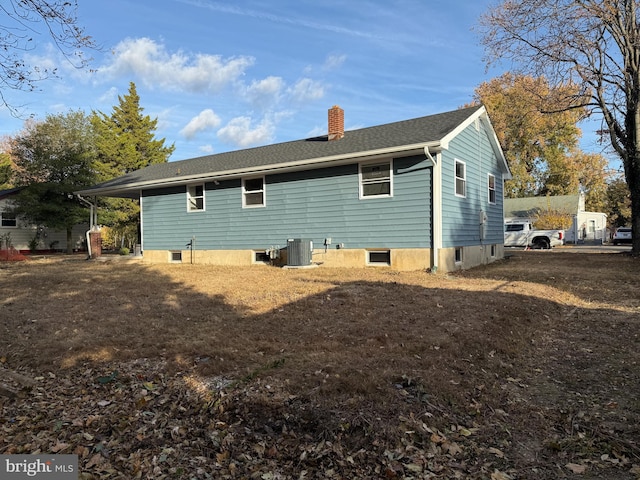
point(221, 76)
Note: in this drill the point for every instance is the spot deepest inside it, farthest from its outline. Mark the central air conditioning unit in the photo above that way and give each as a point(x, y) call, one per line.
point(299, 252)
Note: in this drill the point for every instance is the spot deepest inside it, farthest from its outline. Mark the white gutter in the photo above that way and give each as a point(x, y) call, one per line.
point(342, 159)
point(436, 221)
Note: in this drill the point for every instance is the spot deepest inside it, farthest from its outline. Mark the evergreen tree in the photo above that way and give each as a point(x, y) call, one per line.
point(125, 141)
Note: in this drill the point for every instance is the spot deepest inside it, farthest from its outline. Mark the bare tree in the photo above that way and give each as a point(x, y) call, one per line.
point(22, 25)
point(594, 44)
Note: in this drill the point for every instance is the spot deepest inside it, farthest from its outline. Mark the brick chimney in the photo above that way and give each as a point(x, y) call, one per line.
point(336, 123)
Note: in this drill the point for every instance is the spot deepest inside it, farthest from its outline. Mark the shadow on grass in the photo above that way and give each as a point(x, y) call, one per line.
point(341, 351)
point(338, 337)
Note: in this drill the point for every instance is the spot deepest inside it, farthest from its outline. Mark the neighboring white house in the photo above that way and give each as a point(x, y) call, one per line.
point(20, 233)
point(586, 226)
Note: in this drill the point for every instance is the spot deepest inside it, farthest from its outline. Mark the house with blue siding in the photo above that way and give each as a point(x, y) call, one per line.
point(424, 193)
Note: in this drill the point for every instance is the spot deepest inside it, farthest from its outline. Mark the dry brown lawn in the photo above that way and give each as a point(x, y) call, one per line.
point(527, 368)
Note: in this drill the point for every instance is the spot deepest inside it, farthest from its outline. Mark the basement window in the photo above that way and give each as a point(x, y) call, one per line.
point(459, 256)
point(261, 256)
point(175, 256)
point(493, 251)
point(379, 258)
point(195, 198)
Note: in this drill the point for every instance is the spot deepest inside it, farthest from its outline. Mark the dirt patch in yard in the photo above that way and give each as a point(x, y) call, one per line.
point(526, 368)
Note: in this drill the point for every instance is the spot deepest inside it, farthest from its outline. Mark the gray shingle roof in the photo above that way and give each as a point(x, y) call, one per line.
point(531, 206)
point(9, 192)
point(420, 130)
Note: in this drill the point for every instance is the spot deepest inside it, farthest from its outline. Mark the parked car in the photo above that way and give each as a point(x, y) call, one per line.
point(622, 235)
point(522, 234)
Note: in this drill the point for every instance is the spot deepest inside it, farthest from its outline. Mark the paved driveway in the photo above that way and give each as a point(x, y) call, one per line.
point(607, 248)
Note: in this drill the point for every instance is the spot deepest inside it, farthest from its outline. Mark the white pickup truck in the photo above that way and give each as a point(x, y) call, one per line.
point(522, 234)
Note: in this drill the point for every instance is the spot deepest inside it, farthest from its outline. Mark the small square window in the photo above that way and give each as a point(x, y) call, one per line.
point(195, 198)
point(379, 257)
point(253, 192)
point(461, 179)
point(175, 257)
point(375, 180)
point(492, 188)
point(458, 255)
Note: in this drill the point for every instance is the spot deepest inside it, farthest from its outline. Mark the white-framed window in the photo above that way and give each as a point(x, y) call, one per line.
point(253, 194)
point(492, 188)
point(8, 219)
point(195, 198)
point(379, 257)
point(461, 178)
point(459, 255)
point(493, 251)
point(376, 179)
point(175, 256)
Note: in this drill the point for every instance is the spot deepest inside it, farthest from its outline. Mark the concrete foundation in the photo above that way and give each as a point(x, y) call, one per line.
point(400, 259)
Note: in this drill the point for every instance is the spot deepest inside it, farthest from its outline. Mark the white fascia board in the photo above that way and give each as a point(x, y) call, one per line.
point(481, 115)
point(334, 160)
point(460, 128)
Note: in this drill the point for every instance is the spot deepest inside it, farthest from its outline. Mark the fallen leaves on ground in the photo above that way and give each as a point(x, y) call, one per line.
point(149, 423)
point(490, 374)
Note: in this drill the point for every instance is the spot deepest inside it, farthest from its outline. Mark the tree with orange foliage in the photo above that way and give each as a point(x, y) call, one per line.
point(589, 43)
point(540, 142)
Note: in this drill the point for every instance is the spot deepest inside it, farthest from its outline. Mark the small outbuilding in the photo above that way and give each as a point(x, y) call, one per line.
point(586, 227)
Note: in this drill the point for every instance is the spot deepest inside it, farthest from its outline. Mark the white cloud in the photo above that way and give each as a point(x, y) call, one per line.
point(110, 95)
point(50, 60)
point(240, 133)
point(265, 92)
point(287, 20)
point(167, 118)
point(156, 67)
point(334, 61)
point(306, 90)
point(206, 148)
point(205, 120)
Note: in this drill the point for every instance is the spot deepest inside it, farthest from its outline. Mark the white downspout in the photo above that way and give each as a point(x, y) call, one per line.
point(436, 221)
point(92, 221)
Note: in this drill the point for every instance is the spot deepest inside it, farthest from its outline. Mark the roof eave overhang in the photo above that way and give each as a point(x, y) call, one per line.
point(133, 189)
point(482, 115)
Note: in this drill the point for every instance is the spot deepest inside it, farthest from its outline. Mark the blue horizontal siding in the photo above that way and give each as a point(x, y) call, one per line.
point(461, 216)
point(312, 204)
